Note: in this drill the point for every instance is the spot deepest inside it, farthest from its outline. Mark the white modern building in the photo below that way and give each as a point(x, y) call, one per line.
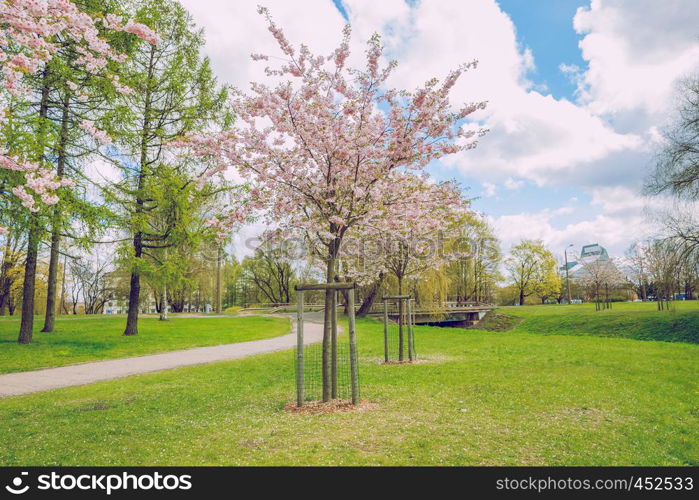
point(121, 306)
point(589, 253)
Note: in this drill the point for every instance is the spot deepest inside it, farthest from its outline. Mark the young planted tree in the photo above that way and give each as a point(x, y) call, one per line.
point(417, 231)
point(601, 278)
point(326, 145)
point(531, 268)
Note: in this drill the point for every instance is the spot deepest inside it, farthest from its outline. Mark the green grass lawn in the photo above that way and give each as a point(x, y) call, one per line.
point(636, 320)
point(480, 398)
point(90, 338)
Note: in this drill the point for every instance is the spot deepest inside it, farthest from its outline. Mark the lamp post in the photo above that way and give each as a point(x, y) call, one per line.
point(565, 252)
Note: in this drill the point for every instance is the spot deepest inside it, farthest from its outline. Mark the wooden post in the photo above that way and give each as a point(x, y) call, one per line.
point(414, 313)
point(385, 330)
point(411, 342)
point(219, 258)
point(333, 346)
point(401, 337)
point(299, 349)
point(354, 368)
point(414, 306)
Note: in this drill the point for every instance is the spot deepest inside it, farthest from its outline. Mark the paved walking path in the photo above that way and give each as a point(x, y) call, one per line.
point(15, 384)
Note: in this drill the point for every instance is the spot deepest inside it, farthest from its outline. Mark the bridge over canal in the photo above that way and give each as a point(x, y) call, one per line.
point(453, 314)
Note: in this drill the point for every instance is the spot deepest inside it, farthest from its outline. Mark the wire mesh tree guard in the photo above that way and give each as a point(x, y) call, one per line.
point(329, 370)
point(405, 317)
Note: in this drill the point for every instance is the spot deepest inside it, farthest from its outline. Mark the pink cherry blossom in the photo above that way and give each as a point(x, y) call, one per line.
point(30, 30)
point(332, 148)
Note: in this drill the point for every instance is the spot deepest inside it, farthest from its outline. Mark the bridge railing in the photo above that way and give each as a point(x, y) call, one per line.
point(444, 307)
point(377, 307)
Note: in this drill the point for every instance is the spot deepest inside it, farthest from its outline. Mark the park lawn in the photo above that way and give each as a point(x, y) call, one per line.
point(480, 398)
point(636, 320)
point(92, 338)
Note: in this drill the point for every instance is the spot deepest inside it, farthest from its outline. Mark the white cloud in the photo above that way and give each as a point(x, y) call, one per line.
point(611, 231)
point(636, 50)
point(234, 30)
point(635, 53)
point(512, 184)
point(618, 200)
point(489, 189)
point(616, 217)
point(533, 136)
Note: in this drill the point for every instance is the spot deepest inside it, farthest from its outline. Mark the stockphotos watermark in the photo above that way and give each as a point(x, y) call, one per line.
point(361, 252)
point(106, 483)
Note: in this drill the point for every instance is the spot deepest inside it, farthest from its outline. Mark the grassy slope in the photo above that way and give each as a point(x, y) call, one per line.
point(94, 338)
point(483, 398)
point(640, 321)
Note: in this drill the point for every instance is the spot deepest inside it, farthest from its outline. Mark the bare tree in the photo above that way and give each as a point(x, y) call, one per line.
point(677, 168)
point(637, 262)
point(89, 282)
point(664, 260)
point(601, 278)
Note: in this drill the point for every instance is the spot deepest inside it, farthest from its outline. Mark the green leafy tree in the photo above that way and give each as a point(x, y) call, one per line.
point(271, 272)
point(46, 127)
point(548, 284)
point(531, 269)
point(474, 276)
point(80, 109)
point(174, 94)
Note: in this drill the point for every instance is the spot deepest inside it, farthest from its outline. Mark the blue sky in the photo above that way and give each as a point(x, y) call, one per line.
point(546, 26)
point(567, 151)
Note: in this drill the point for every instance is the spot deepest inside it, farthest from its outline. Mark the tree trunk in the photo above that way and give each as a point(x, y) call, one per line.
point(7, 264)
point(219, 256)
point(158, 301)
point(164, 304)
point(29, 286)
point(401, 340)
point(135, 282)
point(368, 301)
point(134, 290)
point(26, 328)
point(327, 326)
point(50, 317)
point(521, 296)
point(63, 286)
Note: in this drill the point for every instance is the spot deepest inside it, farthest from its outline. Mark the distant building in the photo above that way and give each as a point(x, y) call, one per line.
point(121, 306)
point(594, 253)
point(117, 289)
point(589, 253)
